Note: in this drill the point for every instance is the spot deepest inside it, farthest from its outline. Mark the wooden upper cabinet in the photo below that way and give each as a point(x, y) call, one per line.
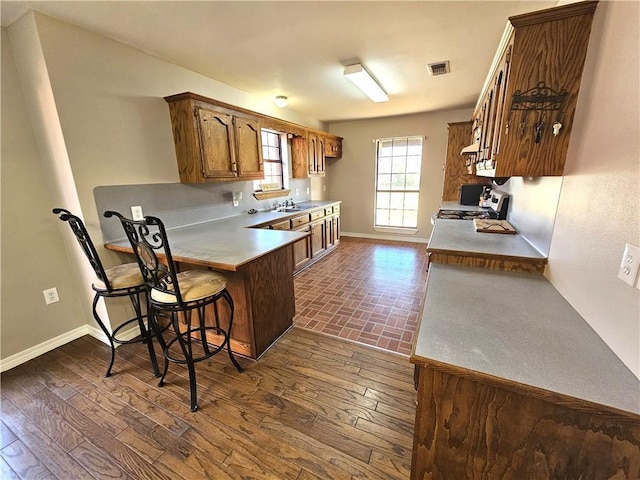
point(315, 145)
point(249, 141)
point(455, 170)
point(309, 153)
point(212, 144)
point(217, 145)
point(218, 142)
point(532, 86)
point(332, 146)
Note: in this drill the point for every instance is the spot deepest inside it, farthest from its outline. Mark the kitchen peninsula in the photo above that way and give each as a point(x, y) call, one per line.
point(258, 263)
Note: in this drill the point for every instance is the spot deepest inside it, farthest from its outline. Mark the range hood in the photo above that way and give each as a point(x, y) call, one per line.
point(472, 149)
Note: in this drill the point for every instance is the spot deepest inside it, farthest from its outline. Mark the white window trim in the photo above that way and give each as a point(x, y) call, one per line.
point(382, 228)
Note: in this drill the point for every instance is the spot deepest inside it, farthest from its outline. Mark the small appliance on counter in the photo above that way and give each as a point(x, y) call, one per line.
point(470, 194)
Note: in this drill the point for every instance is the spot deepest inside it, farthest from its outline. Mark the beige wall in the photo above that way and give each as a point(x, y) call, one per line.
point(97, 109)
point(599, 207)
point(352, 178)
point(34, 257)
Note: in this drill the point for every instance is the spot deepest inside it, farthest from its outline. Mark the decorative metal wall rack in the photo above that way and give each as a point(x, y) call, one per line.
point(540, 99)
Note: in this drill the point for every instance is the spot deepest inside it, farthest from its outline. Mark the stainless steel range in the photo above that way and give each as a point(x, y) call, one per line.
point(497, 209)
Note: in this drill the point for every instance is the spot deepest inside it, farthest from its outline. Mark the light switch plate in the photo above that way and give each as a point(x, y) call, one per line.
point(628, 270)
point(136, 212)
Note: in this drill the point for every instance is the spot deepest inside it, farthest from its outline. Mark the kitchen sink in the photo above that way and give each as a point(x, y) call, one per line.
point(295, 208)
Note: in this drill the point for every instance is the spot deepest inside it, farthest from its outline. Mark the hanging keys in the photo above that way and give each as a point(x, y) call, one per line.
point(539, 127)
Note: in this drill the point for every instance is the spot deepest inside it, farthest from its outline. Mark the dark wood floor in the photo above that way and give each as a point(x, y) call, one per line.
point(314, 407)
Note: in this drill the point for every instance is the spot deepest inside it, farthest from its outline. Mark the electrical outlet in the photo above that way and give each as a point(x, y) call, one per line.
point(136, 212)
point(628, 270)
point(297, 192)
point(51, 295)
point(307, 190)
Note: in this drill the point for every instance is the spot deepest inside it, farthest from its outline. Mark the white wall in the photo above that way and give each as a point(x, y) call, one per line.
point(599, 207)
point(352, 178)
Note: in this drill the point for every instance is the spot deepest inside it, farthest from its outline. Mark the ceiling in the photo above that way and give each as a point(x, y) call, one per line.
point(300, 48)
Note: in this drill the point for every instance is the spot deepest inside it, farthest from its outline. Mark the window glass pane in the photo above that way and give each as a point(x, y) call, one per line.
point(382, 216)
point(410, 218)
point(399, 147)
point(398, 166)
point(413, 181)
point(413, 164)
point(384, 182)
point(411, 201)
point(382, 199)
point(395, 218)
point(397, 200)
point(414, 146)
point(397, 182)
point(385, 149)
point(384, 165)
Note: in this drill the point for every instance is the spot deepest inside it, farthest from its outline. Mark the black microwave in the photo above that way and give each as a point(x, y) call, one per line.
point(470, 194)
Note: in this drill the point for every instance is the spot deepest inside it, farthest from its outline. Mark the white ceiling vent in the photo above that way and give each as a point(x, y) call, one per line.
point(439, 68)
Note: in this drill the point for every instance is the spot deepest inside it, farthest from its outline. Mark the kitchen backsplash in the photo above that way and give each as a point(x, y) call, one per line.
point(179, 204)
point(532, 208)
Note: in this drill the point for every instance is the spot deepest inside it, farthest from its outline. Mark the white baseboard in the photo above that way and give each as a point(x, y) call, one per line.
point(397, 238)
point(44, 347)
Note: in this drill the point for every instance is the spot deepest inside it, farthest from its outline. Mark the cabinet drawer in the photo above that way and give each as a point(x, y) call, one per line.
point(328, 210)
point(284, 225)
point(301, 220)
point(336, 209)
point(316, 215)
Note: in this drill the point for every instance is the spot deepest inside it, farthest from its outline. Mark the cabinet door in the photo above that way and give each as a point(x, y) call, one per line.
point(249, 148)
point(336, 230)
point(299, 157)
point(320, 158)
point(502, 78)
point(318, 240)
point(301, 250)
point(312, 145)
point(328, 232)
point(217, 143)
point(332, 147)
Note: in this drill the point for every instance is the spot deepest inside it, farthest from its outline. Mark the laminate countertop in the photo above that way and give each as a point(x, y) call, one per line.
point(516, 329)
point(229, 243)
point(460, 237)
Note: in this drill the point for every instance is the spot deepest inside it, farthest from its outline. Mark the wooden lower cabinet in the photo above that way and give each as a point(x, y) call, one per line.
point(301, 251)
point(318, 238)
point(472, 428)
point(494, 262)
point(323, 225)
point(259, 320)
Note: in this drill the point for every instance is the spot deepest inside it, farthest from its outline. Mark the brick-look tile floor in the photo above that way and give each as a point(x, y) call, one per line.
point(367, 290)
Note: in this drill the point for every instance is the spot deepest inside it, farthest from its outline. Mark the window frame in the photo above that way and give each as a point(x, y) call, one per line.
point(284, 161)
point(397, 229)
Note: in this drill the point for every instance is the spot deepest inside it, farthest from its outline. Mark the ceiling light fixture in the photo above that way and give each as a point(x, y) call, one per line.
point(281, 101)
point(365, 82)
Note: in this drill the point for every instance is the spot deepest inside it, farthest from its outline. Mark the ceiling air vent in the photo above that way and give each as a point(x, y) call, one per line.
point(439, 68)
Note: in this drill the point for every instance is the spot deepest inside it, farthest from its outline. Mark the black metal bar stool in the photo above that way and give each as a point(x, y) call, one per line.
point(119, 281)
point(179, 295)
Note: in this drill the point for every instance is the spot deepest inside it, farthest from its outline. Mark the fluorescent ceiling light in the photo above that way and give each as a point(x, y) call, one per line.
point(281, 101)
point(365, 82)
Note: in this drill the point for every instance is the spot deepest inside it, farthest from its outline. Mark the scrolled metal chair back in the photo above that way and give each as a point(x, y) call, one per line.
point(148, 239)
point(89, 249)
